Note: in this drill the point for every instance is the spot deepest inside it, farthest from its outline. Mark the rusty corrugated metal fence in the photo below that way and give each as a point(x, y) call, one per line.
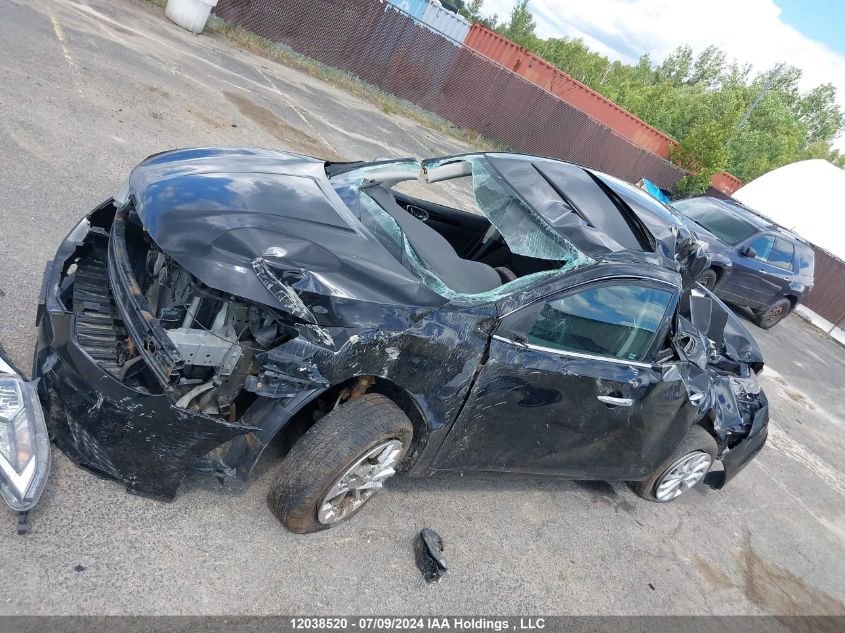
point(389, 49)
point(538, 71)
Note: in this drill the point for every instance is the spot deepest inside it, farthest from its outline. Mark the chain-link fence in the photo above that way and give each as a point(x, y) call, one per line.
point(389, 49)
point(827, 298)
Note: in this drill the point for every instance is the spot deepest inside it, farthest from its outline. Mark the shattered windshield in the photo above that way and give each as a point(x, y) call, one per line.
point(525, 232)
point(520, 228)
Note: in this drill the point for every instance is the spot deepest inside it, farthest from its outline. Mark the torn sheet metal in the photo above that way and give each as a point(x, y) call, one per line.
point(428, 551)
point(723, 360)
point(216, 210)
point(710, 315)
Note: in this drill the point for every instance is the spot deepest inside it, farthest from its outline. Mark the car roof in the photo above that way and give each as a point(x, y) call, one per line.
point(578, 203)
point(754, 217)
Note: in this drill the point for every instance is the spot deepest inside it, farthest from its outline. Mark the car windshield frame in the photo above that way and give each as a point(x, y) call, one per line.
point(524, 230)
point(730, 238)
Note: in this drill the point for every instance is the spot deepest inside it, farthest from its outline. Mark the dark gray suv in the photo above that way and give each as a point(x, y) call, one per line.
point(754, 262)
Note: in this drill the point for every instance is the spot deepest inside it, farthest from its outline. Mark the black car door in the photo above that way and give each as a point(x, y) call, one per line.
point(569, 388)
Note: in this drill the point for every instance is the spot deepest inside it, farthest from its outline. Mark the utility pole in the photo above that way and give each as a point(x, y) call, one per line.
point(766, 87)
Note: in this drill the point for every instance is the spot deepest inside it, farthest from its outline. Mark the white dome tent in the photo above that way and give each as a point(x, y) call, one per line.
point(808, 198)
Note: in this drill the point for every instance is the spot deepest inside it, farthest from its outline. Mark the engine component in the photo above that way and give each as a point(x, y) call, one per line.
point(217, 348)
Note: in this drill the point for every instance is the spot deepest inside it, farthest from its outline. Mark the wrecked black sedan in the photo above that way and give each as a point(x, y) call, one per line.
point(227, 299)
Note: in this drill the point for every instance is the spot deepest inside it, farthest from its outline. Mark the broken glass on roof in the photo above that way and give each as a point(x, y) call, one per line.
point(524, 232)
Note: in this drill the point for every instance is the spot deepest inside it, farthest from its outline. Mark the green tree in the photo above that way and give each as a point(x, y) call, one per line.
point(472, 11)
point(573, 57)
point(699, 99)
point(521, 25)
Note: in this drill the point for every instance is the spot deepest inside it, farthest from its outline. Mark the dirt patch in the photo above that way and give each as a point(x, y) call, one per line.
point(712, 573)
point(208, 120)
point(156, 90)
point(602, 492)
point(800, 399)
point(779, 591)
point(292, 137)
point(773, 589)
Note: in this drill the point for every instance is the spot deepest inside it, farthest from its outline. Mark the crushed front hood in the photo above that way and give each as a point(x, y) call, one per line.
point(217, 210)
point(723, 359)
point(718, 322)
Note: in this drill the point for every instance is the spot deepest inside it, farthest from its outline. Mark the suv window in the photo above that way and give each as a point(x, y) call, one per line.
point(762, 245)
point(805, 261)
point(782, 253)
point(723, 224)
point(608, 320)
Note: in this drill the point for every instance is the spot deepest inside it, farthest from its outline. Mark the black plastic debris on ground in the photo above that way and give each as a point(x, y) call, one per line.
point(428, 547)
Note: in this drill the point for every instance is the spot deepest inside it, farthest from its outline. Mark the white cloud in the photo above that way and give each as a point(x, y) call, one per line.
point(749, 30)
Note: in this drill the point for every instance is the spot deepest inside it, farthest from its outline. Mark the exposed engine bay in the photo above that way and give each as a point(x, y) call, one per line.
point(209, 339)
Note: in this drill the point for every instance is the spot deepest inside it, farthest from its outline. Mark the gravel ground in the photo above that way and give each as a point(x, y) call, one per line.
point(91, 88)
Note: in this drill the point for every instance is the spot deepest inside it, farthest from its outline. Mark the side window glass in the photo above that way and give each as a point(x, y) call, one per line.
point(615, 321)
point(805, 261)
point(782, 254)
point(763, 244)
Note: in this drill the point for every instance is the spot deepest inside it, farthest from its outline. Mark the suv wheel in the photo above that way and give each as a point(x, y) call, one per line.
point(708, 279)
point(774, 314)
point(340, 463)
point(684, 469)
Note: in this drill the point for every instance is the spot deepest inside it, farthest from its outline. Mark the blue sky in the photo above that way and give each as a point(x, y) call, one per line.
point(821, 20)
point(809, 34)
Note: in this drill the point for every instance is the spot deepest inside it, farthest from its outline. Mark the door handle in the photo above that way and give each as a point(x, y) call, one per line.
point(616, 402)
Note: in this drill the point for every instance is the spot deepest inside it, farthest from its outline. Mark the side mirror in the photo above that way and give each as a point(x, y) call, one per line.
point(748, 251)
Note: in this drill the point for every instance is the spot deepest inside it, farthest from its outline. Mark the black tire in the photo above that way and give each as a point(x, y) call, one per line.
point(774, 314)
point(708, 279)
point(698, 439)
point(326, 451)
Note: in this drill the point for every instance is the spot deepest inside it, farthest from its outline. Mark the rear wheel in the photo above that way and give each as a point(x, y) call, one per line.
point(708, 279)
point(340, 463)
point(774, 314)
point(684, 469)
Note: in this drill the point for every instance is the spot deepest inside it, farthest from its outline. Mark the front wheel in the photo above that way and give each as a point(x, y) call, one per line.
point(340, 463)
point(774, 314)
point(684, 469)
point(708, 279)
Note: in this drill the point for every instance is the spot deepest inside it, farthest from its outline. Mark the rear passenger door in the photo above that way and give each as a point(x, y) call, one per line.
point(757, 280)
point(569, 388)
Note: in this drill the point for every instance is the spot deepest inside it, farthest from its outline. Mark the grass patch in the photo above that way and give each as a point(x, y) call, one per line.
point(386, 102)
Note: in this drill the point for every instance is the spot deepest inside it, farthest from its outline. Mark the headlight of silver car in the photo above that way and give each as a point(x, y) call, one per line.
point(24, 444)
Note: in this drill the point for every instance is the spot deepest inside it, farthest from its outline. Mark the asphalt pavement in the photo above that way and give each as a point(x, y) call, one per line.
point(90, 88)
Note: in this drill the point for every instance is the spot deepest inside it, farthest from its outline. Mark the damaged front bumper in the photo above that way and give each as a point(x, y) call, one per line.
point(737, 457)
point(116, 431)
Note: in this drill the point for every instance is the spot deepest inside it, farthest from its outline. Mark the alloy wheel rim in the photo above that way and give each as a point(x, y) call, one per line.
point(359, 482)
point(682, 475)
